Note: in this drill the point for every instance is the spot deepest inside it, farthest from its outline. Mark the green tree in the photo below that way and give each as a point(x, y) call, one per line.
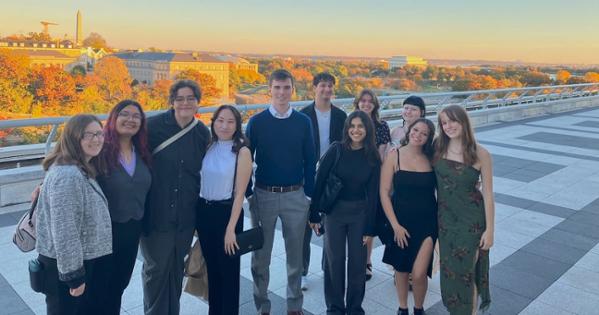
point(78, 70)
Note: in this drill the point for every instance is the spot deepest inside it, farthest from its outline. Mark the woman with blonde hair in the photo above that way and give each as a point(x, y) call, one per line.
point(466, 214)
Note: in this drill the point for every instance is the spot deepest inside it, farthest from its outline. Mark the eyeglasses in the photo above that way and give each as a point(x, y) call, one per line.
point(189, 99)
point(91, 135)
point(127, 116)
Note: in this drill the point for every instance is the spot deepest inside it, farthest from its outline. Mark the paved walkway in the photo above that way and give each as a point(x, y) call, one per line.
point(546, 250)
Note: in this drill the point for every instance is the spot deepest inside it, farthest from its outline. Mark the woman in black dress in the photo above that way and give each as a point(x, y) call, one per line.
point(411, 212)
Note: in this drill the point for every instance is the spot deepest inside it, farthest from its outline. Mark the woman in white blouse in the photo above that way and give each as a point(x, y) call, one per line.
point(226, 171)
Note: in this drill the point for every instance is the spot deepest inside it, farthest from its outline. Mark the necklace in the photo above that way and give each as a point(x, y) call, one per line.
point(454, 152)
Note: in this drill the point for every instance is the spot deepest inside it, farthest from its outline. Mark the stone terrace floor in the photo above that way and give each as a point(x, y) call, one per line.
point(545, 258)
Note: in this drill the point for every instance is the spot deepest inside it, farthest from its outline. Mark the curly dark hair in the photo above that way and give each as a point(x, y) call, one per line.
point(428, 148)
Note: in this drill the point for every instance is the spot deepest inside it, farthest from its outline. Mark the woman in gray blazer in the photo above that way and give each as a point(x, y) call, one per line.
point(73, 222)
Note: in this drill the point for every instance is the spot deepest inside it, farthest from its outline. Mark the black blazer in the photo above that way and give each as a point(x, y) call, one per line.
point(338, 117)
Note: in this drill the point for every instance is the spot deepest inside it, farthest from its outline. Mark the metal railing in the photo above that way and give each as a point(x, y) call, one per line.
point(390, 105)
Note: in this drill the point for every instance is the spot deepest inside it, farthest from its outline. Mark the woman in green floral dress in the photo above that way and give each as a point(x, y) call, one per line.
point(465, 213)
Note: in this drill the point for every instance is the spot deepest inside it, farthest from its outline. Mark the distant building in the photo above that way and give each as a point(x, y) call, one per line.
point(238, 63)
point(59, 54)
point(151, 66)
point(400, 61)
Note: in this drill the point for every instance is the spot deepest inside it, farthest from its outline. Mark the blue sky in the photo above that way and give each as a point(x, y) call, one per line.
point(535, 31)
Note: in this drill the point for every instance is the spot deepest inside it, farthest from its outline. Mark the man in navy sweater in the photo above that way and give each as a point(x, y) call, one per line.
point(282, 141)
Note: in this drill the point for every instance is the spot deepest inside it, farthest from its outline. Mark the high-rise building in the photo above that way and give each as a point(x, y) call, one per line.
point(79, 30)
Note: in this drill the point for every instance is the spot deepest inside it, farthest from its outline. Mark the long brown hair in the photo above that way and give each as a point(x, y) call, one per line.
point(68, 149)
point(372, 154)
point(375, 103)
point(456, 113)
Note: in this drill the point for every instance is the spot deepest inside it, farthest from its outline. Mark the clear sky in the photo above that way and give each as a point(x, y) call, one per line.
point(554, 31)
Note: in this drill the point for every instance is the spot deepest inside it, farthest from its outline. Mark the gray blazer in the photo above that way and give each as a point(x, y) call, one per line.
point(73, 222)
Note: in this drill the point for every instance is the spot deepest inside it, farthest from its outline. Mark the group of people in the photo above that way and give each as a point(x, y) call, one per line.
point(151, 183)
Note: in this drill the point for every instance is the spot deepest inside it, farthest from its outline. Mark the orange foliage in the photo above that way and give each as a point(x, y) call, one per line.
point(562, 76)
point(207, 83)
point(591, 77)
point(301, 75)
point(54, 89)
point(112, 78)
point(13, 65)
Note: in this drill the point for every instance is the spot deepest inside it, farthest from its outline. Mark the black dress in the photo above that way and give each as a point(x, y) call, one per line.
point(415, 207)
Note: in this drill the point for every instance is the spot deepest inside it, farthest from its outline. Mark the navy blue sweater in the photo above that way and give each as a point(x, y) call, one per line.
point(284, 150)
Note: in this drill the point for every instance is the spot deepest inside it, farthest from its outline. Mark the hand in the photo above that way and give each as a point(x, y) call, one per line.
point(231, 242)
point(78, 291)
point(35, 192)
point(316, 228)
point(486, 240)
point(400, 236)
point(479, 184)
point(366, 239)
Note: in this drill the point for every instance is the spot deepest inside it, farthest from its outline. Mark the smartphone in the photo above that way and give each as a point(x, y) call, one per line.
point(321, 230)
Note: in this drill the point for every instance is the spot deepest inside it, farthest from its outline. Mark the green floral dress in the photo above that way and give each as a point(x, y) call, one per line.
point(461, 216)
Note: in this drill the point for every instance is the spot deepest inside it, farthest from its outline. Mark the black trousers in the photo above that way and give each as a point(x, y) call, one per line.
point(59, 300)
point(223, 270)
point(344, 228)
point(112, 276)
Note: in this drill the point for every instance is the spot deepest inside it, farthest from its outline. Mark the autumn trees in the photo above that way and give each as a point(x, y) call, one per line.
point(206, 82)
point(95, 41)
point(37, 91)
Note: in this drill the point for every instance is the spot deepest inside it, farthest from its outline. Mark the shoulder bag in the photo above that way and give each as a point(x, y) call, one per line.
point(252, 239)
point(175, 137)
point(333, 184)
point(25, 235)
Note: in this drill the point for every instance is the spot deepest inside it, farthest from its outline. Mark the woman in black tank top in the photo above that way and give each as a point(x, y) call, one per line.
point(411, 212)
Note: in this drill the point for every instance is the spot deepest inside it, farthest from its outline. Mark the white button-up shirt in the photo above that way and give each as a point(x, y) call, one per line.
point(278, 115)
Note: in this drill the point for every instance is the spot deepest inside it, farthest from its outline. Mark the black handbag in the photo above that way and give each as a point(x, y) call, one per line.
point(248, 240)
point(332, 186)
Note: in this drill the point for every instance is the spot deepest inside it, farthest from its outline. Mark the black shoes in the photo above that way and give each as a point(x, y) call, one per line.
point(368, 272)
